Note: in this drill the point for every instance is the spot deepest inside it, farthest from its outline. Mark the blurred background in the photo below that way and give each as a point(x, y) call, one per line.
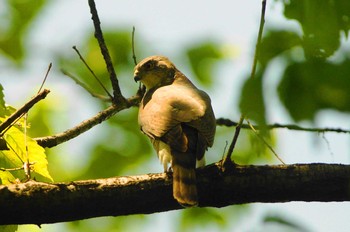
point(302, 78)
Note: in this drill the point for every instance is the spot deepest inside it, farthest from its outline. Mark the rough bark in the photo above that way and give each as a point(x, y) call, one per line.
point(37, 203)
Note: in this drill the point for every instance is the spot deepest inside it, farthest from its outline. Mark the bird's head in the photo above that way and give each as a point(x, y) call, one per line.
point(155, 71)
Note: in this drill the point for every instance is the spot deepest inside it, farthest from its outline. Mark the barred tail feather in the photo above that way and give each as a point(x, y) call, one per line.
point(184, 185)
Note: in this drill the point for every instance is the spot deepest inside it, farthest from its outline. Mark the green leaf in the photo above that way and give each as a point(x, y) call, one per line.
point(4, 110)
point(9, 228)
point(311, 86)
point(202, 59)
point(285, 222)
point(252, 100)
point(16, 156)
point(276, 43)
point(19, 14)
point(204, 217)
point(321, 21)
point(2, 102)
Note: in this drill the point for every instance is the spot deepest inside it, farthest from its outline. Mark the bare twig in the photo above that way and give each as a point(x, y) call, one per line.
point(118, 97)
point(234, 141)
point(229, 123)
point(265, 142)
point(46, 75)
point(19, 113)
point(84, 86)
point(133, 45)
point(142, 89)
point(92, 72)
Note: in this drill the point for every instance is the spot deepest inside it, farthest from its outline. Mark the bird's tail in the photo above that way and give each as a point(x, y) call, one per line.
point(184, 182)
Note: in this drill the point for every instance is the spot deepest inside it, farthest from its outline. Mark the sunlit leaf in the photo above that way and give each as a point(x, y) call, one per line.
point(4, 110)
point(2, 101)
point(311, 86)
point(9, 228)
point(16, 156)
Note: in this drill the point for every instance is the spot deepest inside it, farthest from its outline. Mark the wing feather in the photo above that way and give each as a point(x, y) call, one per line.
point(167, 107)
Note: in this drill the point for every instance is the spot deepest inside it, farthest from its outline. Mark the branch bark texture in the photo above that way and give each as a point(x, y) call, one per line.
point(37, 203)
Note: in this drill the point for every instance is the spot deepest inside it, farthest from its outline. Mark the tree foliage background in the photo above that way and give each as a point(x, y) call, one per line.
point(302, 78)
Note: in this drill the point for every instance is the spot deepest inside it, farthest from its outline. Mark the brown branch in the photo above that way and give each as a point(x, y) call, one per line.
point(118, 97)
point(24, 109)
point(54, 140)
point(229, 123)
point(36, 203)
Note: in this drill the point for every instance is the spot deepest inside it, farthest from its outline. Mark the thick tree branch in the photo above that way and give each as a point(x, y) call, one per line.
point(36, 203)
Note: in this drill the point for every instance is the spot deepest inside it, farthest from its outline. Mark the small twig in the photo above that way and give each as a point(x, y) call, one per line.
point(11, 169)
point(264, 141)
point(234, 141)
point(19, 113)
point(224, 152)
point(133, 45)
point(26, 164)
point(229, 123)
point(85, 87)
point(257, 47)
point(118, 97)
point(92, 72)
point(142, 89)
point(46, 75)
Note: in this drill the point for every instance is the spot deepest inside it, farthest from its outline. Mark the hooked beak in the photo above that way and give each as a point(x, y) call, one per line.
point(137, 78)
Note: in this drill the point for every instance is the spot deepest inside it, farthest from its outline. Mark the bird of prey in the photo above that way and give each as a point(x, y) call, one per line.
point(178, 119)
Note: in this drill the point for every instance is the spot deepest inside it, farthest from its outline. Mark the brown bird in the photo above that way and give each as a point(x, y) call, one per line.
point(179, 120)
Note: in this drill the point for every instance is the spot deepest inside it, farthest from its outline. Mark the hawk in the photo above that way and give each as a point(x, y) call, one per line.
point(178, 119)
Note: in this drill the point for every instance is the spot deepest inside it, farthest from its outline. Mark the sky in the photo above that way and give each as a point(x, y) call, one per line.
point(168, 26)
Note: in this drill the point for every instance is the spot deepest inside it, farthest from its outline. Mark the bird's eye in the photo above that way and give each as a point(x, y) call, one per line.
point(149, 65)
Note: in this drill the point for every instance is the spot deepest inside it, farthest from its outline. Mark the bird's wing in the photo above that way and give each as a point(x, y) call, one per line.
point(167, 107)
point(164, 110)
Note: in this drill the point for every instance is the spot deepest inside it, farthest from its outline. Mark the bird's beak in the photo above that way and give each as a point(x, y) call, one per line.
point(137, 78)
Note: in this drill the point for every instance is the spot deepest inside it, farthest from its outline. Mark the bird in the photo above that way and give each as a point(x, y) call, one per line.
point(179, 120)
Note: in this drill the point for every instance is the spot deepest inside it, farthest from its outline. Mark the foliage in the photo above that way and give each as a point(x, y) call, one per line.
point(18, 17)
point(202, 57)
point(20, 149)
point(316, 73)
point(314, 77)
